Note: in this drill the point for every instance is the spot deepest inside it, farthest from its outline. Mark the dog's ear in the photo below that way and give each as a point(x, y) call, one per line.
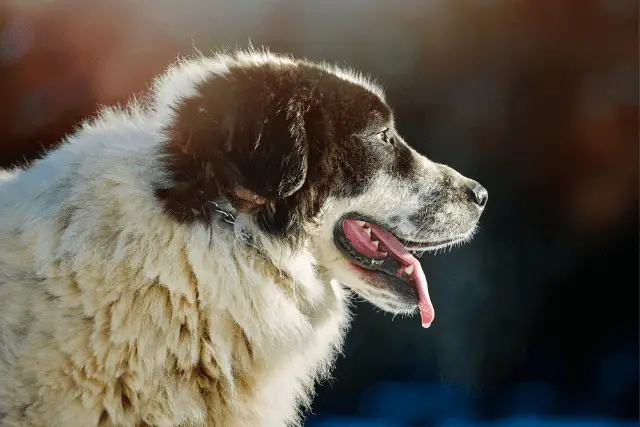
point(264, 156)
point(242, 138)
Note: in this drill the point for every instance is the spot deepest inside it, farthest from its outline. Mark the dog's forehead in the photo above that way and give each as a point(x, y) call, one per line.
point(354, 97)
point(357, 103)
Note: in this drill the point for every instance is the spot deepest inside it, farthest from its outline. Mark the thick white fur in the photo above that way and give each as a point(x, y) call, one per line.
point(112, 314)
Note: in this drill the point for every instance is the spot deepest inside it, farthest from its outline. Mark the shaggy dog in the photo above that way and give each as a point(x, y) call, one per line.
point(187, 261)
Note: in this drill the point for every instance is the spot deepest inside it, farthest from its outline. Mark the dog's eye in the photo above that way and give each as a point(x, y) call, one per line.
point(383, 135)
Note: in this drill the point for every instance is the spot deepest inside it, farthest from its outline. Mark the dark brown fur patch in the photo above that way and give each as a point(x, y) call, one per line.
point(276, 141)
point(104, 418)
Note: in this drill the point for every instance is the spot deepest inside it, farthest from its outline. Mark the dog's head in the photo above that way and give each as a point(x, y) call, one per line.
point(311, 155)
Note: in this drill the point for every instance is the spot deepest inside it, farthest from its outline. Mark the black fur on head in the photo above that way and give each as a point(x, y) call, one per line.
point(275, 141)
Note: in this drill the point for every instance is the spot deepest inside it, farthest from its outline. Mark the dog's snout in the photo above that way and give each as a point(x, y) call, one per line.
point(478, 194)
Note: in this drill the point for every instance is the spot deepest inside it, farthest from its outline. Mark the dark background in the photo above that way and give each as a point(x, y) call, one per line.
point(537, 318)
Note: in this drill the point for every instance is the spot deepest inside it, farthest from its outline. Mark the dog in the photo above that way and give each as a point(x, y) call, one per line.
point(188, 260)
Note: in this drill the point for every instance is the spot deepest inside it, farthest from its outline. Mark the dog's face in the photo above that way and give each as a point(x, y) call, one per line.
point(311, 154)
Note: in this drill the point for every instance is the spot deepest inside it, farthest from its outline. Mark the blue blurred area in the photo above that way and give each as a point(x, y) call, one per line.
point(530, 404)
point(425, 402)
point(508, 422)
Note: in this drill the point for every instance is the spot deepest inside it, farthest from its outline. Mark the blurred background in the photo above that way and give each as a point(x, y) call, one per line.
point(537, 318)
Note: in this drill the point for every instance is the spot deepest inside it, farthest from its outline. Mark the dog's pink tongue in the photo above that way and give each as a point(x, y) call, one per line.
point(427, 312)
point(397, 249)
point(362, 239)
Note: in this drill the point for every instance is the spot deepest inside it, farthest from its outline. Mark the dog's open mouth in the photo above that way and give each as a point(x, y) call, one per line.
point(373, 248)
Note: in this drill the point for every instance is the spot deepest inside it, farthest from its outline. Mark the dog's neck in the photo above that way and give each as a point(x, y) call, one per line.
point(228, 216)
point(222, 213)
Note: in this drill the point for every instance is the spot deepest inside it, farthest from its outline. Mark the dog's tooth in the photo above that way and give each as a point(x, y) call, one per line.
point(384, 253)
point(409, 270)
point(361, 223)
point(368, 231)
point(376, 243)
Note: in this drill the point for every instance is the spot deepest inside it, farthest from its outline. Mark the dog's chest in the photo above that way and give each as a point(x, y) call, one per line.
point(259, 371)
point(290, 373)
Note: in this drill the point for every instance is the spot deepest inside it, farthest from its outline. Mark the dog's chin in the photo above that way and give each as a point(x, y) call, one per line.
point(396, 298)
point(389, 306)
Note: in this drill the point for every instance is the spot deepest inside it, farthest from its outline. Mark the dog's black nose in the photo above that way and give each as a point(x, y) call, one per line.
point(478, 194)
